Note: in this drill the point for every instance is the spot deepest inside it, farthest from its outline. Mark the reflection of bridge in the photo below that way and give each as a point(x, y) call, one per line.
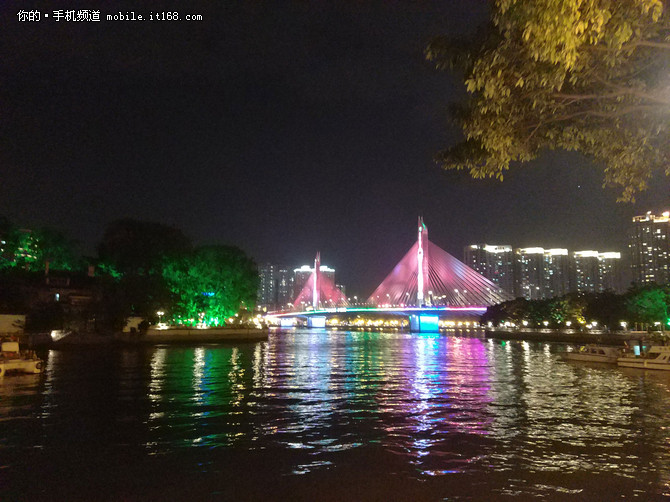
point(427, 284)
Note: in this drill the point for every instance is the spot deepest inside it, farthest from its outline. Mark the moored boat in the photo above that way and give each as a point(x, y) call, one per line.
point(14, 360)
point(594, 354)
point(656, 358)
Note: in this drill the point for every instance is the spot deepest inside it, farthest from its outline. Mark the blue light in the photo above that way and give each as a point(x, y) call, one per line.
point(424, 323)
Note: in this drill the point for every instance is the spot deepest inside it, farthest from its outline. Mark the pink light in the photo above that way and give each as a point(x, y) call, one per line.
point(325, 292)
point(428, 268)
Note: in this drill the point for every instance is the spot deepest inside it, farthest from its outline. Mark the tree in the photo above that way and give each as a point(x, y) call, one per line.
point(132, 254)
point(139, 247)
point(211, 284)
point(7, 246)
point(31, 250)
point(607, 308)
point(585, 75)
point(55, 248)
point(650, 304)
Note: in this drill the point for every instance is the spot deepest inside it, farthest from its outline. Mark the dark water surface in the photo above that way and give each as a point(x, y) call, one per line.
point(316, 415)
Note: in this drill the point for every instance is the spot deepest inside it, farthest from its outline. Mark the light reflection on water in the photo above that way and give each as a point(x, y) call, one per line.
point(426, 416)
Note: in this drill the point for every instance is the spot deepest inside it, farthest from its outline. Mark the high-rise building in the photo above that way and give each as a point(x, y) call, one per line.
point(275, 290)
point(556, 273)
point(267, 288)
point(529, 273)
point(496, 263)
point(585, 267)
point(650, 248)
point(609, 272)
point(284, 288)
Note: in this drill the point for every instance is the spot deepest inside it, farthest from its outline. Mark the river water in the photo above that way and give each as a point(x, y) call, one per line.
point(333, 415)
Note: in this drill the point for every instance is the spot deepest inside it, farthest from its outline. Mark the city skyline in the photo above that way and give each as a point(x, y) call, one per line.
point(284, 130)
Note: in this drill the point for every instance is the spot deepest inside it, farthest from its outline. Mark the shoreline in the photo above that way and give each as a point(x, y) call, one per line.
point(192, 335)
point(152, 337)
point(614, 338)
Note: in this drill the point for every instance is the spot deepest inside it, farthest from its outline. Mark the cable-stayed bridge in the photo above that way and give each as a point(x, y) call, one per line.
point(427, 283)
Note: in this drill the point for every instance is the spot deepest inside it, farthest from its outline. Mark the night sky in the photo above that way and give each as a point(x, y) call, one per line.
point(280, 127)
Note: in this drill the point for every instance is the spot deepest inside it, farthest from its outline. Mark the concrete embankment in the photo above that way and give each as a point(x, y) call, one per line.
point(614, 338)
point(187, 335)
point(167, 336)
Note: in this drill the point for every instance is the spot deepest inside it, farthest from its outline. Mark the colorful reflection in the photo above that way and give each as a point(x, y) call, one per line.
point(427, 408)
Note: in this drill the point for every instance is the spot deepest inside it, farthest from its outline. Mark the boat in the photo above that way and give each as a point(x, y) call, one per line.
point(20, 361)
point(656, 358)
point(594, 354)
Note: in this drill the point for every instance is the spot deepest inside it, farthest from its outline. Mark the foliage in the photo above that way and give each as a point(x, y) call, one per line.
point(211, 284)
point(139, 247)
point(643, 304)
point(649, 304)
point(56, 248)
point(132, 254)
point(31, 250)
point(584, 75)
point(607, 308)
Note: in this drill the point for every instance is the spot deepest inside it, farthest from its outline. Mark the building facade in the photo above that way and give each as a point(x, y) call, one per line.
point(650, 248)
point(585, 271)
point(609, 272)
point(529, 273)
point(496, 263)
point(275, 290)
point(266, 297)
point(284, 287)
point(556, 273)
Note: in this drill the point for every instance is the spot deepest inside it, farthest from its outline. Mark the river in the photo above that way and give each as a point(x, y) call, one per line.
point(334, 415)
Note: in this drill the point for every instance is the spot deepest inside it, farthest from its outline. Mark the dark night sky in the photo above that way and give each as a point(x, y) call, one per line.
point(281, 127)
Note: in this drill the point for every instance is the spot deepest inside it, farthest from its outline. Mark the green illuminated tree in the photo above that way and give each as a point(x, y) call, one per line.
point(132, 254)
point(56, 248)
point(211, 284)
point(31, 250)
point(650, 304)
point(585, 75)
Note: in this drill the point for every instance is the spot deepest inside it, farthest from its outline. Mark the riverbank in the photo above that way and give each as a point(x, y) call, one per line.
point(567, 336)
point(152, 337)
point(189, 335)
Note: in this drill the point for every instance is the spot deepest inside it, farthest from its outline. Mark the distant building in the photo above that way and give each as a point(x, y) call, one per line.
point(650, 248)
point(284, 287)
point(586, 271)
point(267, 288)
point(496, 263)
point(275, 290)
point(556, 273)
point(529, 273)
point(609, 272)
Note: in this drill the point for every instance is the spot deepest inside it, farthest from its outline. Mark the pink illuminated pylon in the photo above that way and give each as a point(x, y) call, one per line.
point(317, 282)
point(319, 290)
point(428, 275)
